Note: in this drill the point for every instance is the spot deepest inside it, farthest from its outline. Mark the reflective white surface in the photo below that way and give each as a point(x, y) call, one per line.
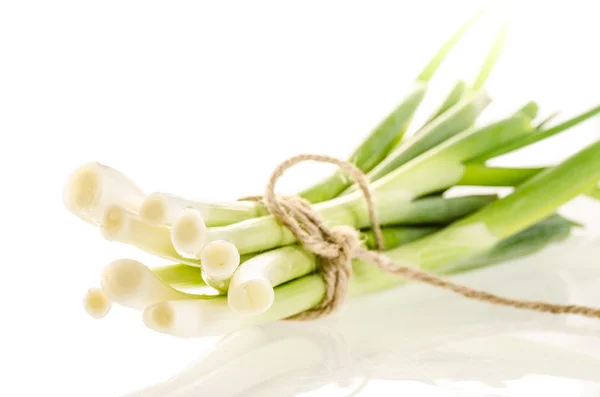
point(416, 340)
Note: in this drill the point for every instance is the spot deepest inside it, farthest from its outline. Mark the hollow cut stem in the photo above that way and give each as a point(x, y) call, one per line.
point(164, 209)
point(96, 303)
point(94, 186)
point(132, 284)
point(119, 224)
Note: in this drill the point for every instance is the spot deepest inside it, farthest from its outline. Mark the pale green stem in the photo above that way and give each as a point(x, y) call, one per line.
point(449, 124)
point(541, 195)
point(459, 91)
point(443, 166)
point(132, 284)
point(481, 175)
point(373, 149)
point(251, 287)
point(193, 318)
point(179, 275)
point(266, 233)
point(445, 250)
point(538, 135)
point(127, 227)
point(164, 209)
point(492, 57)
point(390, 131)
point(531, 202)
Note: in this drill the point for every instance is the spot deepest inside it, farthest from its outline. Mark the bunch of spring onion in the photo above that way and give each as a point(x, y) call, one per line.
point(234, 265)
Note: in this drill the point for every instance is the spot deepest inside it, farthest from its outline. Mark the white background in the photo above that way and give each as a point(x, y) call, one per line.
point(202, 99)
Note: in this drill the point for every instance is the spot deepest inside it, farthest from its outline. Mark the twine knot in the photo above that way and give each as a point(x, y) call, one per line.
point(334, 246)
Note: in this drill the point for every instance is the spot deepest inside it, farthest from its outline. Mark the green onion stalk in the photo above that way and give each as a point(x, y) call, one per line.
point(458, 111)
point(131, 284)
point(450, 124)
point(428, 211)
point(461, 89)
point(437, 169)
point(121, 225)
point(442, 252)
point(540, 134)
point(252, 287)
point(378, 144)
point(193, 319)
point(482, 175)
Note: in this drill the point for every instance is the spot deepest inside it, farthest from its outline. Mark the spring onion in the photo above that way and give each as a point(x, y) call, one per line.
point(119, 224)
point(540, 135)
point(205, 318)
point(219, 260)
point(94, 186)
point(163, 209)
point(126, 227)
point(252, 285)
point(531, 202)
point(188, 233)
point(481, 175)
point(492, 57)
point(458, 92)
point(393, 206)
point(251, 289)
point(132, 284)
point(457, 119)
point(96, 303)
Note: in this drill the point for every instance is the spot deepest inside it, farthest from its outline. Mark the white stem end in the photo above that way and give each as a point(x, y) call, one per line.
point(219, 259)
point(155, 210)
point(96, 303)
point(188, 233)
point(251, 297)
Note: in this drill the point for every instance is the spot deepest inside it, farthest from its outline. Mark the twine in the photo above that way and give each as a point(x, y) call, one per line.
point(337, 246)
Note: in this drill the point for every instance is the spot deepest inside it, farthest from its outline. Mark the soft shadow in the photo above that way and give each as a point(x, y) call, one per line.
point(420, 337)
